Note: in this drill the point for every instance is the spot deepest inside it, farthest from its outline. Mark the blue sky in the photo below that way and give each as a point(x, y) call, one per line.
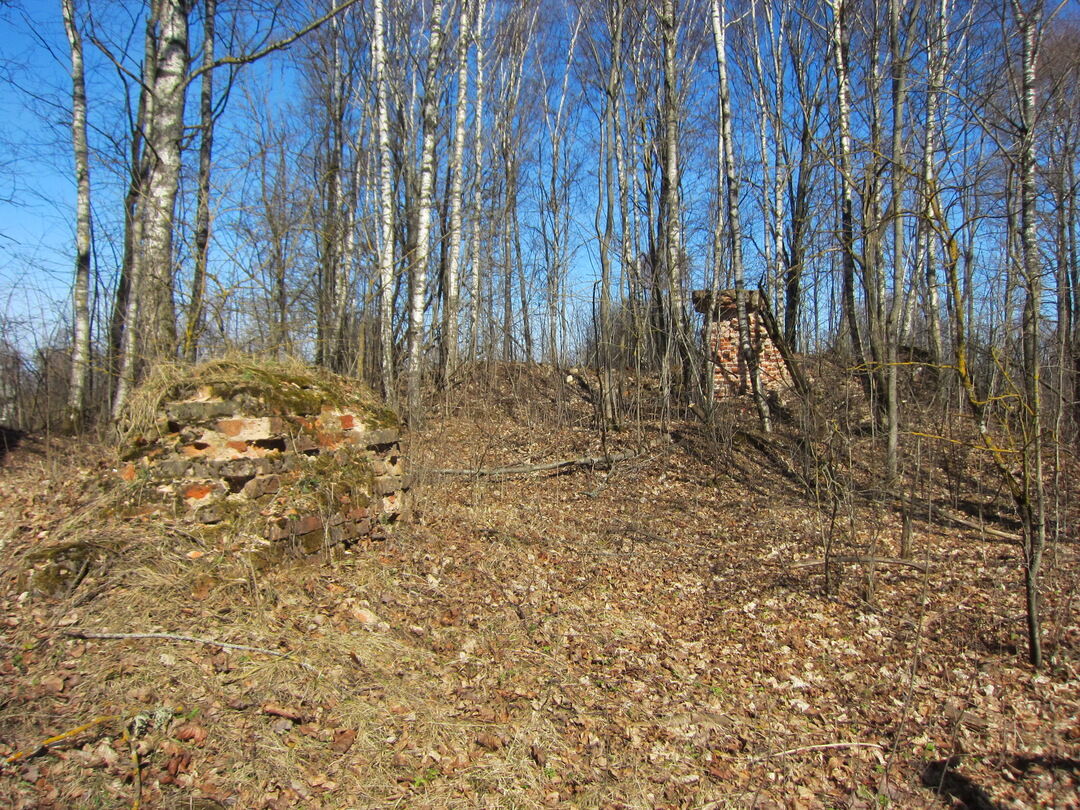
point(36, 188)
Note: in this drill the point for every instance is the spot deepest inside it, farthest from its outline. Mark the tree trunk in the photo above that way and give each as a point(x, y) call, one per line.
point(670, 207)
point(418, 266)
point(125, 324)
point(457, 184)
point(734, 222)
point(194, 325)
point(475, 280)
point(1034, 513)
point(80, 351)
point(898, 52)
point(165, 132)
point(839, 49)
point(386, 206)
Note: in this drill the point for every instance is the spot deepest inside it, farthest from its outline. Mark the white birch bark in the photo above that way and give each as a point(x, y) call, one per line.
point(457, 184)
point(838, 46)
point(937, 37)
point(670, 204)
point(386, 205)
point(1033, 511)
point(418, 265)
point(165, 130)
point(731, 210)
point(475, 285)
point(80, 353)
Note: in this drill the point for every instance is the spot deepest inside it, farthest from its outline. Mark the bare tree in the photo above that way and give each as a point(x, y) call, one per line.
point(419, 260)
point(80, 355)
point(452, 284)
point(731, 212)
point(193, 326)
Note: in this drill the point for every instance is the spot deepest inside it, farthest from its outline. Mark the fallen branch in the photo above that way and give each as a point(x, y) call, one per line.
point(859, 559)
point(963, 521)
point(918, 505)
point(85, 634)
point(592, 462)
point(61, 737)
point(821, 747)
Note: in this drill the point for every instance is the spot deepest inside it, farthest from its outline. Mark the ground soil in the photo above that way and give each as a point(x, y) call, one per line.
point(655, 634)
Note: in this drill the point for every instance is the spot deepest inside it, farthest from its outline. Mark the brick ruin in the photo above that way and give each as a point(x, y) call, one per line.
point(285, 466)
point(730, 372)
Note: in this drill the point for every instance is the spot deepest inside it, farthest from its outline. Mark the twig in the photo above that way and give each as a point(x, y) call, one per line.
point(136, 778)
point(85, 634)
point(60, 737)
point(594, 462)
point(821, 747)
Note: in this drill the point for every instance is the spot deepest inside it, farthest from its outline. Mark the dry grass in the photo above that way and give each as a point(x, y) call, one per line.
point(286, 386)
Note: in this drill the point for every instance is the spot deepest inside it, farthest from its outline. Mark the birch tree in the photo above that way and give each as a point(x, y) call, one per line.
point(839, 49)
point(732, 215)
point(452, 283)
point(1028, 19)
point(670, 205)
point(419, 260)
point(476, 251)
point(386, 202)
point(164, 135)
point(80, 355)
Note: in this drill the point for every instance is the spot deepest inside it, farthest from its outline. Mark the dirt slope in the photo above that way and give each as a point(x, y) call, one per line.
point(644, 636)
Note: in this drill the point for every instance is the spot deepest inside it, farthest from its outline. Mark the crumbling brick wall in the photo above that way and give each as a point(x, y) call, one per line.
point(731, 375)
point(301, 477)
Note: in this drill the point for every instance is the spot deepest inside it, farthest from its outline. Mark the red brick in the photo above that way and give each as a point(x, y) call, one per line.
point(197, 491)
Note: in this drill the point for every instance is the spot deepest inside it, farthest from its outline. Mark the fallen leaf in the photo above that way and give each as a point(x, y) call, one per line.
point(191, 732)
point(343, 740)
point(275, 710)
point(52, 684)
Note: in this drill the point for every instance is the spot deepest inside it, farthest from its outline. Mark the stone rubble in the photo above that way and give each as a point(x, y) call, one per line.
point(220, 456)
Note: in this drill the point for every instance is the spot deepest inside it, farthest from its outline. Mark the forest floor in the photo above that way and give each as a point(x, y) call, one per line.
point(656, 634)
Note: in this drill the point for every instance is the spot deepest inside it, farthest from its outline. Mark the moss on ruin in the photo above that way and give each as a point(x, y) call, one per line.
point(262, 387)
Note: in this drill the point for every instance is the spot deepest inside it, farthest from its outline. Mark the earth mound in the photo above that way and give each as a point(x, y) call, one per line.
point(281, 455)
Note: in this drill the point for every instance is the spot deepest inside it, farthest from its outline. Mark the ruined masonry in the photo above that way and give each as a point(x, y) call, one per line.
point(731, 375)
point(296, 472)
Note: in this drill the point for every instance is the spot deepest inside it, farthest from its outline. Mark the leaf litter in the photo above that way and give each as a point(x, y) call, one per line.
point(643, 636)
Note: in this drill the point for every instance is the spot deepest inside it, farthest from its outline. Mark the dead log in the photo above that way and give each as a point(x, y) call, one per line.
point(847, 558)
point(913, 503)
point(590, 462)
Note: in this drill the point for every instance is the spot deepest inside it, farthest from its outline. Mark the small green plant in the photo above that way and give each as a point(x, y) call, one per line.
point(424, 779)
